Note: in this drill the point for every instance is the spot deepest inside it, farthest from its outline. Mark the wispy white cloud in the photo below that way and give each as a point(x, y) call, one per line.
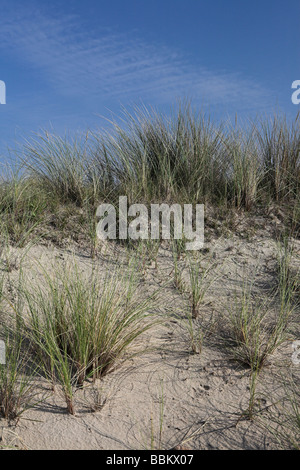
point(107, 65)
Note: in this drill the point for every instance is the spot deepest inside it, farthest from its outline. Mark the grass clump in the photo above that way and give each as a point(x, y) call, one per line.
point(22, 208)
point(199, 282)
point(287, 280)
point(195, 334)
point(155, 156)
point(60, 166)
point(254, 333)
point(80, 327)
point(17, 389)
point(279, 146)
point(284, 417)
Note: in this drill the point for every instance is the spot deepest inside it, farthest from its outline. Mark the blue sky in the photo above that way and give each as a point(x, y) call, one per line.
point(67, 63)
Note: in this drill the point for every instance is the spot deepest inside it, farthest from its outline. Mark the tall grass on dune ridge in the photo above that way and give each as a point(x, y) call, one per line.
point(279, 145)
point(62, 166)
point(244, 173)
point(153, 157)
point(186, 157)
point(22, 206)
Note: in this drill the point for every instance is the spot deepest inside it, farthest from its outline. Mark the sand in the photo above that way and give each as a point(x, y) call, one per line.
point(168, 396)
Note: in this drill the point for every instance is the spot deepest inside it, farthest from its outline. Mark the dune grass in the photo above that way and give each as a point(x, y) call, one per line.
point(79, 328)
point(255, 330)
point(17, 387)
point(148, 156)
